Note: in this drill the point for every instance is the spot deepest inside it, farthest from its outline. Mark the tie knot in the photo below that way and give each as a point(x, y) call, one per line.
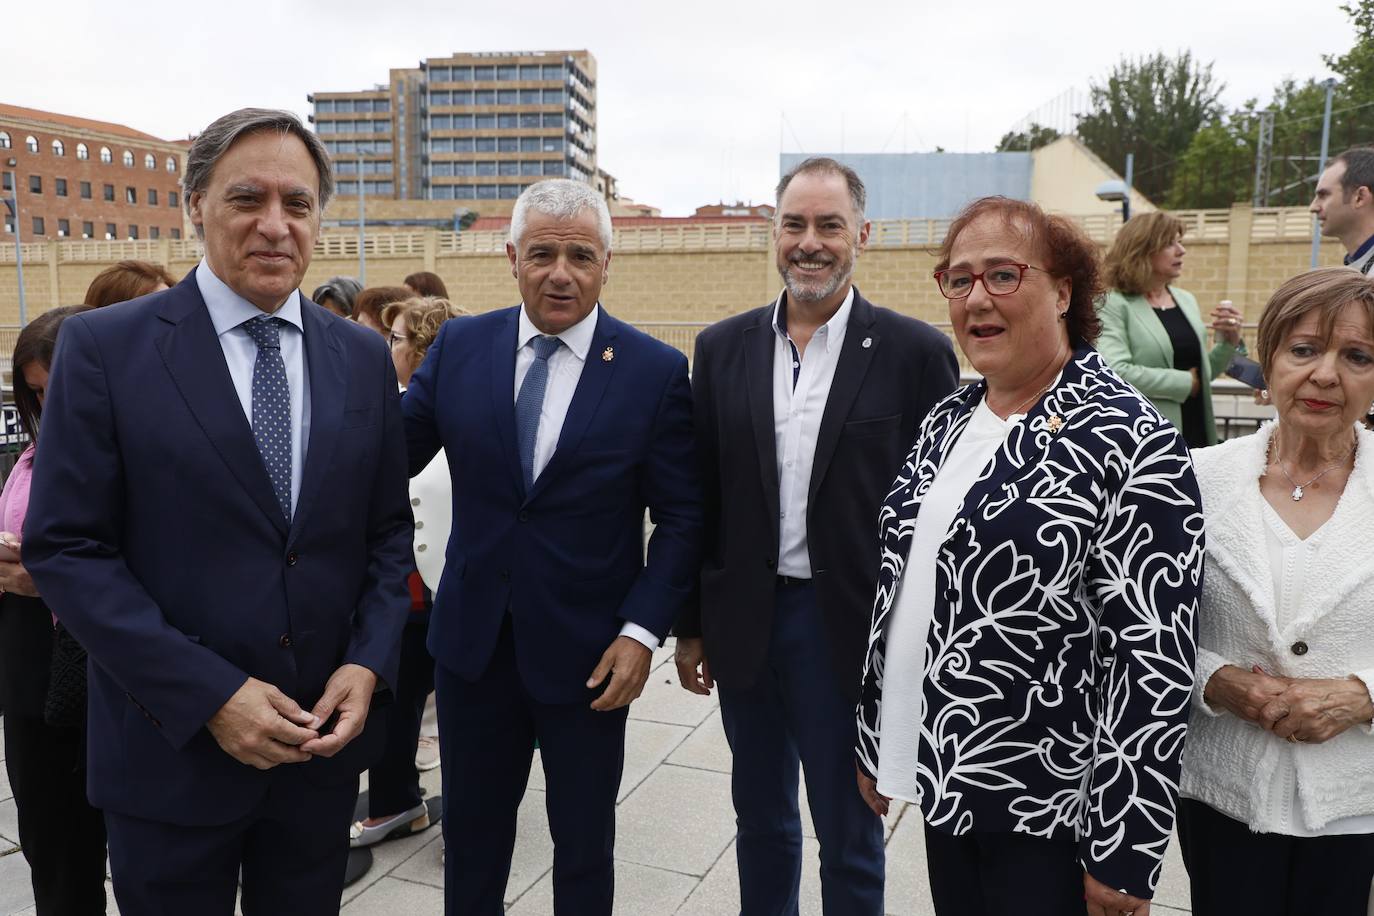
point(265, 331)
point(544, 346)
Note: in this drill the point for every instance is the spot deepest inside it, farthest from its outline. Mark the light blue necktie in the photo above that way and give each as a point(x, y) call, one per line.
point(529, 403)
point(272, 407)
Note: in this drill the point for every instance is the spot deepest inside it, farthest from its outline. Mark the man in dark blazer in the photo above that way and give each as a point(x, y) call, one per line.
point(804, 409)
point(560, 425)
point(219, 515)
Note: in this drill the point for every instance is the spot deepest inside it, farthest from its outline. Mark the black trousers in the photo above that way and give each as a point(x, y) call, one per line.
point(1233, 870)
point(393, 783)
point(63, 837)
point(1003, 874)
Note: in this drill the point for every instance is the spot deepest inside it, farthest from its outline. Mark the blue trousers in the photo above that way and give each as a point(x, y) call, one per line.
point(795, 716)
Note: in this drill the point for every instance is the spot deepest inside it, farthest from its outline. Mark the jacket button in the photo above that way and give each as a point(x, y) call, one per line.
point(1299, 648)
point(523, 516)
point(415, 500)
point(285, 641)
point(505, 575)
point(770, 563)
point(951, 594)
point(291, 559)
point(419, 525)
point(421, 548)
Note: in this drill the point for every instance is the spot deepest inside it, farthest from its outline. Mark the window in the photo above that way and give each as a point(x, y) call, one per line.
point(553, 120)
point(531, 168)
point(552, 96)
point(131, 195)
point(324, 106)
point(463, 97)
point(149, 162)
point(439, 74)
point(508, 168)
point(485, 144)
point(381, 127)
point(171, 165)
point(39, 228)
point(83, 152)
point(507, 97)
point(508, 145)
point(463, 191)
point(348, 188)
point(460, 74)
point(440, 122)
point(60, 186)
point(553, 144)
point(554, 72)
point(381, 105)
point(128, 159)
point(442, 170)
point(485, 191)
point(506, 121)
point(463, 145)
point(529, 144)
point(530, 120)
point(172, 199)
point(85, 190)
point(510, 191)
point(465, 122)
point(35, 184)
point(59, 148)
point(176, 233)
point(133, 231)
point(483, 73)
point(108, 192)
point(6, 181)
point(152, 197)
point(106, 158)
point(87, 230)
point(484, 122)
point(529, 71)
point(31, 143)
point(484, 97)
point(529, 96)
point(443, 97)
point(64, 228)
point(507, 72)
point(486, 168)
point(465, 169)
point(553, 168)
point(4, 140)
point(325, 127)
point(110, 230)
point(154, 232)
point(441, 192)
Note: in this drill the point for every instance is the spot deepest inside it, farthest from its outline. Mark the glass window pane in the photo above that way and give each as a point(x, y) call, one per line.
point(485, 144)
point(483, 74)
point(507, 120)
point(529, 71)
point(486, 167)
point(510, 191)
point(465, 169)
point(486, 191)
point(553, 96)
point(484, 97)
point(553, 120)
point(463, 145)
point(530, 119)
point(484, 121)
point(531, 168)
point(554, 72)
point(462, 97)
point(508, 144)
point(507, 72)
point(439, 74)
point(553, 168)
point(507, 97)
point(440, 122)
point(508, 168)
point(461, 74)
point(462, 122)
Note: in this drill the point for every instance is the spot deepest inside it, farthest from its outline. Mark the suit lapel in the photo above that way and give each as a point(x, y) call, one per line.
point(759, 342)
point(327, 367)
point(503, 393)
point(191, 351)
point(1148, 321)
point(856, 355)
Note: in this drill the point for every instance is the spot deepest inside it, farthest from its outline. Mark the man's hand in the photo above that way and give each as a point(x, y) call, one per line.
point(349, 692)
point(1104, 901)
point(691, 656)
point(15, 578)
point(1243, 693)
point(1313, 710)
point(262, 727)
point(626, 661)
point(868, 788)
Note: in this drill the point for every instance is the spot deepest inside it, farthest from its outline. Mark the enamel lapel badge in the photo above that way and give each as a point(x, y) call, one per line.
point(1055, 423)
point(608, 354)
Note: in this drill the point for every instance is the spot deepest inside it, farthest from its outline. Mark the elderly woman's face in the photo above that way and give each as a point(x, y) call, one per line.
point(1322, 386)
point(1010, 336)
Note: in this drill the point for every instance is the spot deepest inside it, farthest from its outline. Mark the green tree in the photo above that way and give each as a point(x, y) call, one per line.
point(1034, 137)
point(1152, 107)
point(1356, 66)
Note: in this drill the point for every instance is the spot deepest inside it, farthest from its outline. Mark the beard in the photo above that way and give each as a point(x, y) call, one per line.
point(803, 290)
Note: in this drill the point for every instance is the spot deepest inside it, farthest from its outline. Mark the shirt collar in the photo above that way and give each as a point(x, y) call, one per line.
point(228, 309)
point(577, 338)
point(834, 328)
point(1361, 251)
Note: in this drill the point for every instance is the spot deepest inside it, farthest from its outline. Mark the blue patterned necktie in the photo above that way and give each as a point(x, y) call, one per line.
point(529, 403)
point(272, 407)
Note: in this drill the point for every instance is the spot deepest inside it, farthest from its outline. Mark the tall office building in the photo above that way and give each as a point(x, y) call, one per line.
point(472, 128)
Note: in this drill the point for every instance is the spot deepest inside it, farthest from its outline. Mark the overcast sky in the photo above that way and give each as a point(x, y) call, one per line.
point(695, 99)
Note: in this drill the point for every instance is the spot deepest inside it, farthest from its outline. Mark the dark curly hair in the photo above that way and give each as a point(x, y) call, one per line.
point(1068, 254)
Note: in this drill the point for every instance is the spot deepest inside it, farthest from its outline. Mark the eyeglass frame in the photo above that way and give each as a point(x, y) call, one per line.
point(978, 278)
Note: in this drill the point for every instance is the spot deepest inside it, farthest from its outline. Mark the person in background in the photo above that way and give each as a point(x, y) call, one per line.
point(61, 834)
point(367, 307)
point(426, 284)
point(1152, 332)
point(1277, 810)
point(395, 805)
point(338, 295)
point(1344, 206)
point(127, 280)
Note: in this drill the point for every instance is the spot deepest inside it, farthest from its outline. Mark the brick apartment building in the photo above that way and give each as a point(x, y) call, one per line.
point(79, 178)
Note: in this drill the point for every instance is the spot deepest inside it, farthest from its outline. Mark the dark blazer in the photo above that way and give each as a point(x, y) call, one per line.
point(566, 561)
point(154, 534)
point(1062, 646)
point(891, 370)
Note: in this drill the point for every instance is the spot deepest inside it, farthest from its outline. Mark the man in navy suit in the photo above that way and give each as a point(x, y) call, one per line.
point(561, 425)
point(220, 516)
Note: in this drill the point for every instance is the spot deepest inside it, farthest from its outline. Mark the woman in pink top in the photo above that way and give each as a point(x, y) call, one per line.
point(62, 836)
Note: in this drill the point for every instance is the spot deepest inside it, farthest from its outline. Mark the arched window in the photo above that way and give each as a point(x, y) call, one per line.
point(32, 143)
point(4, 140)
point(171, 164)
point(58, 149)
point(83, 151)
point(149, 162)
point(105, 156)
point(128, 159)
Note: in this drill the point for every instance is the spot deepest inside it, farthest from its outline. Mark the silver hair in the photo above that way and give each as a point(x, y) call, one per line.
point(561, 198)
point(207, 149)
point(342, 290)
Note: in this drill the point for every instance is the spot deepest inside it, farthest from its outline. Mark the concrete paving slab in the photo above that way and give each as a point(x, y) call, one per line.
point(639, 891)
point(390, 896)
point(646, 745)
point(678, 819)
point(9, 823)
point(16, 891)
point(1173, 889)
point(706, 748)
point(664, 700)
point(908, 887)
point(718, 892)
point(426, 864)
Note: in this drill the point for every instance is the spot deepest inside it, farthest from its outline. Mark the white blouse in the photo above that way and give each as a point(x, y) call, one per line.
point(914, 604)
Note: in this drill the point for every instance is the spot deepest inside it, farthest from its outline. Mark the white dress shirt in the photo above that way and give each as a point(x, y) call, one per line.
point(797, 412)
point(228, 311)
point(565, 370)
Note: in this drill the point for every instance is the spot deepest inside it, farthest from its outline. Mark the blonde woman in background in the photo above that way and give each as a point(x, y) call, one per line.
point(1152, 331)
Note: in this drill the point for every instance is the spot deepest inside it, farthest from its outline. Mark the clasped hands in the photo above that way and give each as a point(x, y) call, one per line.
point(263, 727)
point(1308, 710)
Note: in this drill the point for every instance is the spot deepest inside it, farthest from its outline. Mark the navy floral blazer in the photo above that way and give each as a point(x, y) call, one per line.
point(1061, 652)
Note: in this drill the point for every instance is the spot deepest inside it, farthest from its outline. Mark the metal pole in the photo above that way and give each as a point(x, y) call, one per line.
point(1321, 166)
point(1130, 175)
point(18, 250)
point(362, 224)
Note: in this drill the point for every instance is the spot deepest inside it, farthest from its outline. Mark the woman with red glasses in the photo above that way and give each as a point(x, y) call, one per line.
point(1032, 647)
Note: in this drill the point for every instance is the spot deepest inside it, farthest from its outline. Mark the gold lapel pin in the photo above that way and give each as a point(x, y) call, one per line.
point(1055, 423)
point(608, 354)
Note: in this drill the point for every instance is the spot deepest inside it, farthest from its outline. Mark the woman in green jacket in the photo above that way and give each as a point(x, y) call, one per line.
point(1152, 331)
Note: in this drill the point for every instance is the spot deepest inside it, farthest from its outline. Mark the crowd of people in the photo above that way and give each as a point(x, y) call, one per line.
point(253, 532)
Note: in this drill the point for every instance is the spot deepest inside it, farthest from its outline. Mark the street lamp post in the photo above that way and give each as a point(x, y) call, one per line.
point(1330, 85)
point(12, 205)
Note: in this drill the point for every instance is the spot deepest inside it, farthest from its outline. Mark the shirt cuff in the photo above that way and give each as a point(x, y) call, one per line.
point(639, 635)
point(1367, 677)
point(1208, 663)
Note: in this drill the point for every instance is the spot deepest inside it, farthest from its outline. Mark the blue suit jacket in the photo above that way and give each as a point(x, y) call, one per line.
point(566, 560)
point(154, 534)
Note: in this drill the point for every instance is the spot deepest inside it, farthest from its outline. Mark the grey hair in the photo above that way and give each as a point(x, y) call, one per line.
point(207, 149)
point(561, 198)
point(824, 165)
point(342, 290)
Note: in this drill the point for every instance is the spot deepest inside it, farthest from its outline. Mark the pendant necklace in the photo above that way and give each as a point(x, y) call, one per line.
point(1299, 489)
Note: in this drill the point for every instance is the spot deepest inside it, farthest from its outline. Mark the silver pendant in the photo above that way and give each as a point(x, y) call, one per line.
point(1297, 493)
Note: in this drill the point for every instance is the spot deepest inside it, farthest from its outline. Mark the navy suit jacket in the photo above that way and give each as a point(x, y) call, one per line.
point(567, 559)
point(154, 534)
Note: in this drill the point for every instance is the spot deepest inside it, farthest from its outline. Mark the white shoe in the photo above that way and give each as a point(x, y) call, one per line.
point(427, 754)
point(403, 824)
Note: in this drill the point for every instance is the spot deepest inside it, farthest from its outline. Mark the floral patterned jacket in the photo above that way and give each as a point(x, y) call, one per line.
point(1060, 657)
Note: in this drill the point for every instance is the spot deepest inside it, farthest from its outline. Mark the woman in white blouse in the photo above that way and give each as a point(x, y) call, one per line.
point(1277, 814)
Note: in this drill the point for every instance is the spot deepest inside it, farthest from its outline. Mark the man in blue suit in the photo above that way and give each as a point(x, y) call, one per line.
point(561, 425)
point(220, 516)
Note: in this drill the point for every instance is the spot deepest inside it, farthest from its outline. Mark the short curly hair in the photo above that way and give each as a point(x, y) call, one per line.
point(424, 315)
point(1068, 254)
